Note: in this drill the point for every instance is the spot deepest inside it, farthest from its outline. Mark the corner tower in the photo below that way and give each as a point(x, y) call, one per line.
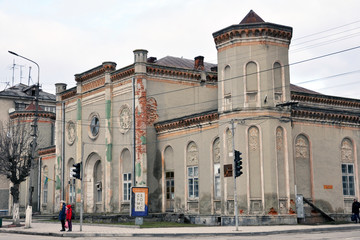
point(253, 62)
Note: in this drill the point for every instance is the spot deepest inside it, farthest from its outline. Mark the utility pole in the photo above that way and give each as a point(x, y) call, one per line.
point(235, 192)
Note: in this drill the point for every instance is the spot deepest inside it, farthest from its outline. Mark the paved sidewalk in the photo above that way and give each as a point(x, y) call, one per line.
point(90, 230)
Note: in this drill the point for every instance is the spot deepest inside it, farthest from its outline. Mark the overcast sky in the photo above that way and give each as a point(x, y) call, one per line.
point(72, 36)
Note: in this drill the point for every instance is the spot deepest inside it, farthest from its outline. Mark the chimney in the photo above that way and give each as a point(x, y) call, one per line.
point(199, 63)
point(151, 59)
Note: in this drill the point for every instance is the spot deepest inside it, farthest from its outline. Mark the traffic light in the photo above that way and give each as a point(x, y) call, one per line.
point(238, 164)
point(76, 170)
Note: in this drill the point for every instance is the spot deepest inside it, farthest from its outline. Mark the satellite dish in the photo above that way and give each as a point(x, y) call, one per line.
point(11, 110)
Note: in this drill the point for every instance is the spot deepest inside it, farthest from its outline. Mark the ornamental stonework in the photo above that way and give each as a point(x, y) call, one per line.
point(253, 138)
point(94, 84)
point(301, 147)
point(124, 119)
point(151, 108)
point(216, 151)
point(347, 151)
point(192, 154)
point(70, 132)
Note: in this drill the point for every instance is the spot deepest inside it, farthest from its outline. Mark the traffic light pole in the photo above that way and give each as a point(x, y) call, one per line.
point(82, 186)
point(235, 192)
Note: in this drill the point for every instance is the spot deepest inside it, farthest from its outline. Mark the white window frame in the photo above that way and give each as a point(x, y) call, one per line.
point(348, 179)
point(72, 195)
point(126, 187)
point(217, 181)
point(193, 182)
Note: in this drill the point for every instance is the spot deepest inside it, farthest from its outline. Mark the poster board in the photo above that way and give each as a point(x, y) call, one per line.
point(139, 201)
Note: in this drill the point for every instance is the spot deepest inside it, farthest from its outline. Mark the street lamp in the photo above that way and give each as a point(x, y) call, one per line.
point(34, 143)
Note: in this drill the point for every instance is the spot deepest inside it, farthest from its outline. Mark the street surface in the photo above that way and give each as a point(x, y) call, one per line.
point(343, 235)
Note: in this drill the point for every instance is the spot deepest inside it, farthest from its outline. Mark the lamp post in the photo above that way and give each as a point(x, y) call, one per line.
point(34, 142)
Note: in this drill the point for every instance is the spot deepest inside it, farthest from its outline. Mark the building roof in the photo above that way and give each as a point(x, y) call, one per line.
point(251, 17)
point(24, 91)
point(294, 88)
point(177, 62)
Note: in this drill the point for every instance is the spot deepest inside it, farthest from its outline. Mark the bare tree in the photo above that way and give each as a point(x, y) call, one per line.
point(15, 158)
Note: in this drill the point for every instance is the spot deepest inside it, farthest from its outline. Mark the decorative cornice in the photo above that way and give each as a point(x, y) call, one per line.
point(186, 122)
point(49, 150)
point(325, 116)
point(26, 114)
point(95, 72)
point(93, 84)
point(122, 73)
point(265, 31)
point(322, 99)
point(180, 73)
point(68, 94)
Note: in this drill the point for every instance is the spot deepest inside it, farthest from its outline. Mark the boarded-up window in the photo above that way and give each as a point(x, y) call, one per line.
point(251, 77)
point(227, 81)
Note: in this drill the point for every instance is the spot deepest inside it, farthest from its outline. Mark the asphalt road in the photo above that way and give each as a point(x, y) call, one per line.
point(343, 235)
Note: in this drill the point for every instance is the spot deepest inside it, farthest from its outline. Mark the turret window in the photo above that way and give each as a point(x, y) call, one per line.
point(251, 81)
point(277, 81)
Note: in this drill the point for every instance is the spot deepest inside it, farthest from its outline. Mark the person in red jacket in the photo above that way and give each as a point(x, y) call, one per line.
point(68, 217)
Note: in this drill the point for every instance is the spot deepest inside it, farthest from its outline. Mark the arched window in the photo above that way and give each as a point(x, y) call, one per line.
point(347, 167)
point(98, 181)
point(169, 174)
point(193, 170)
point(277, 81)
point(227, 88)
point(46, 183)
point(216, 159)
point(251, 81)
point(126, 174)
point(302, 166)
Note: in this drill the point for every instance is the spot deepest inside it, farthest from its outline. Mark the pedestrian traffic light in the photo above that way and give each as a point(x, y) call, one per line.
point(76, 170)
point(238, 164)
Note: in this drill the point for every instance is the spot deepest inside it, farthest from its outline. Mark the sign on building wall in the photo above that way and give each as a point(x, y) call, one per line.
point(228, 170)
point(139, 201)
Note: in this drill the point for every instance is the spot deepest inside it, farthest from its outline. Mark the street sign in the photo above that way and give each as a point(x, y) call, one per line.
point(228, 172)
point(139, 201)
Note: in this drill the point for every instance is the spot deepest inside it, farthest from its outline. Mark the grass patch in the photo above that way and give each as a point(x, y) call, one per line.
point(161, 224)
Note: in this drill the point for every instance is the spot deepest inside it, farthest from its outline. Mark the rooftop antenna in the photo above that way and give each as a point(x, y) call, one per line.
point(21, 76)
point(13, 71)
point(29, 76)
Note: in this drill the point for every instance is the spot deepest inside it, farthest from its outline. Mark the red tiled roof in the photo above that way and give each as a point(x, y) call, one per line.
point(32, 107)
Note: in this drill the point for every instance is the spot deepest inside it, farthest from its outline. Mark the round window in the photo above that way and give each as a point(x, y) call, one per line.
point(94, 126)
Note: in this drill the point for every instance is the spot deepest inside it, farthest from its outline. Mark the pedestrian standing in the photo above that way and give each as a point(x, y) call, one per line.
point(62, 215)
point(355, 210)
point(69, 216)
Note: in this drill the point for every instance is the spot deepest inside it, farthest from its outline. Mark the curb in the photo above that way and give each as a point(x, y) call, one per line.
point(239, 233)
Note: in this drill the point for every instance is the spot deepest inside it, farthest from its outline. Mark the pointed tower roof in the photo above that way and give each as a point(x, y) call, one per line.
point(252, 17)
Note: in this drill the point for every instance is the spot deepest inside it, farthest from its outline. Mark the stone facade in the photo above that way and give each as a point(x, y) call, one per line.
point(178, 114)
